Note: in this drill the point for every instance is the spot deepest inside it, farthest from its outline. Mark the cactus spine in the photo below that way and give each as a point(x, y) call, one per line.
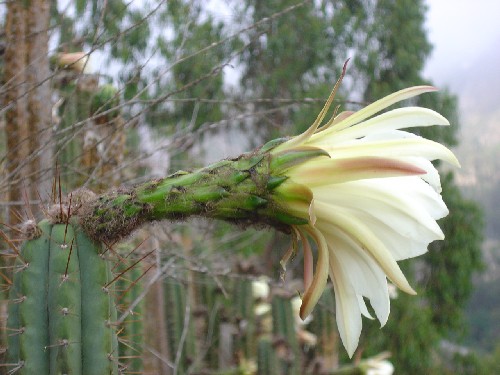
point(61, 310)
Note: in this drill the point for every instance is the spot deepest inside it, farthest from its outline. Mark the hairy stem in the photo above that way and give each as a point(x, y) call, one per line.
point(238, 190)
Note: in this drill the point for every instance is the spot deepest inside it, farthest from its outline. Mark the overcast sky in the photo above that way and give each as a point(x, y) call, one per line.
point(461, 32)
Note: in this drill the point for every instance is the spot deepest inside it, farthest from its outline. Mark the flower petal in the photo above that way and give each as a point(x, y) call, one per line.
point(364, 274)
point(347, 310)
point(359, 232)
point(402, 223)
point(383, 103)
point(410, 145)
point(399, 118)
point(315, 290)
point(334, 171)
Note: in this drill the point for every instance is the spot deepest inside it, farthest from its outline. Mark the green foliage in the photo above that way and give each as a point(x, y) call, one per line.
point(470, 363)
point(450, 264)
point(290, 46)
point(409, 336)
point(395, 48)
point(309, 44)
point(105, 100)
point(196, 59)
point(483, 314)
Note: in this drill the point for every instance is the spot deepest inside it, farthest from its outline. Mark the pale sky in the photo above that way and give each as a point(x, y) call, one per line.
point(461, 31)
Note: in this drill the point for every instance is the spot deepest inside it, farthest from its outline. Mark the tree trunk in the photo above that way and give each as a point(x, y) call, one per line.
point(15, 102)
point(39, 98)
point(27, 102)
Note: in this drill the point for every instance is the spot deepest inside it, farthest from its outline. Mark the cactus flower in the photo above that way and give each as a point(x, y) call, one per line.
point(76, 61)
point(371, 197)
point(364, 191)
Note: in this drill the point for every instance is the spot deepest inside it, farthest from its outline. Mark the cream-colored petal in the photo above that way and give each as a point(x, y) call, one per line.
point(347, 310)
point(334, 171)
point(411, 194)
point(399, 118)
point(411, 146)
point(381, 104)
point(363, 308)
point(363, 273)
point(431, 177)
point(403, 216)
point(359, 232)
point(315, 290)
point(400, 238)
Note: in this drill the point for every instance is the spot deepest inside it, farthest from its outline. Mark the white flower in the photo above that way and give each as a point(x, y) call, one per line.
point(260, 288)
point(371, 199)
point(376, 367)
point(76, 61)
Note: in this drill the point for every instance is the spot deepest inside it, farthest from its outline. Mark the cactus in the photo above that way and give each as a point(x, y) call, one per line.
point(324, 327)
point(286, 345)
point(131, 336)
point(267, 361)
point(175, 299)
point(74, 110)
point(243, 302)
point(61, 310)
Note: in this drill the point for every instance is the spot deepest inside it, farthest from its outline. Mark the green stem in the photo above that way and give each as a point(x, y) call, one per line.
point(239, 191)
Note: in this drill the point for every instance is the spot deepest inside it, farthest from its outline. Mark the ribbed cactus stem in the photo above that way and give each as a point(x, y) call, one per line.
point(61, 312)
point(240, 191)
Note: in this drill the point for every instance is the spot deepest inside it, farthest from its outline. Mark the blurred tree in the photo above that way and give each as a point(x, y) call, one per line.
point(294, 56)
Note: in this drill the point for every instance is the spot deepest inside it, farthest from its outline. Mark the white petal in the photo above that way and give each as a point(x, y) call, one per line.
point(431, 176)
point(362, 272)
point(359, 232)
point(410, 146)
point(401, 215)
point(410, 193)
point(363, 308)
point(399, 118)
point(381, 104)
point(405, 217)
point(315, 290)
point(347, 311)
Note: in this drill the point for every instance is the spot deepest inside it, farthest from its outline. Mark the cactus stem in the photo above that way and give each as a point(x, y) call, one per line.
point(240, 191)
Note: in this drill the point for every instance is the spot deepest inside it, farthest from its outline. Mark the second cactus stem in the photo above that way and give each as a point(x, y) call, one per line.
point(61, 311)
